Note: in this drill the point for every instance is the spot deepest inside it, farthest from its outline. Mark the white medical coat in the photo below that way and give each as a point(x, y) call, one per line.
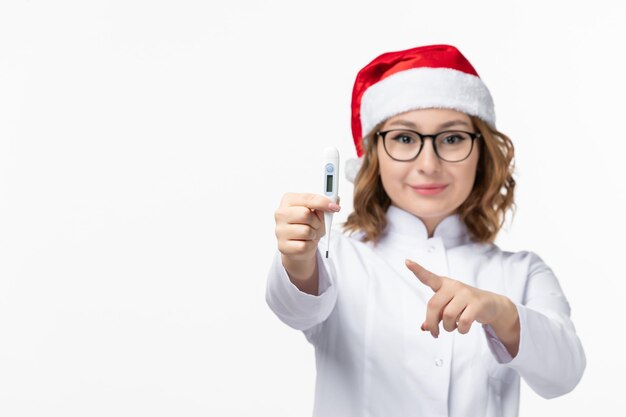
point(372, 359)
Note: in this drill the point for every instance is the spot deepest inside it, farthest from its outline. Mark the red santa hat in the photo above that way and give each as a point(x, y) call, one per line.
point(433, 76)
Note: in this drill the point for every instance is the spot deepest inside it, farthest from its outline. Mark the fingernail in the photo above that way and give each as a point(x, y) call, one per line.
point(422, 327)
point(334, 207)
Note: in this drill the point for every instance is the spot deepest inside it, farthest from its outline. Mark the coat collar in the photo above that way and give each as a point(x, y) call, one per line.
point(408, 227)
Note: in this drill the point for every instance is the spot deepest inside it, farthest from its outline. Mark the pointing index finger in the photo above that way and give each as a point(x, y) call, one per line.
point(424, 275)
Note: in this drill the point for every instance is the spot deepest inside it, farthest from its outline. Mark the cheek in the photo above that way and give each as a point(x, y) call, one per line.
point(392, 180)
point(391, 174)
point(385, 167)
point(466, 178)
point(384, 174)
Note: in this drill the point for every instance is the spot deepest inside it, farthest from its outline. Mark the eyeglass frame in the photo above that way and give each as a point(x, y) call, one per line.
point(472, 135)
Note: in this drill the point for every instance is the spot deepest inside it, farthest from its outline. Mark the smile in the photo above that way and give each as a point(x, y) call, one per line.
point(429, 189)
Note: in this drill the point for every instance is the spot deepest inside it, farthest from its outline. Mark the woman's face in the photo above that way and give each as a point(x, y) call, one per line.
point(428, 187)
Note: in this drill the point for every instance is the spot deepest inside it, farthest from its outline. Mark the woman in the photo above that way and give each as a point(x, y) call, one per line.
point(430, 195)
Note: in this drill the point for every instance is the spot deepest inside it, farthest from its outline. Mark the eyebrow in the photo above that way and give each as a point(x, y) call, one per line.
point(445, 125)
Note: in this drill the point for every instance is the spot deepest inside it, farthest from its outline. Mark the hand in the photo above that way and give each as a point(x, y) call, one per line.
point(458, 304)
point(300, 224)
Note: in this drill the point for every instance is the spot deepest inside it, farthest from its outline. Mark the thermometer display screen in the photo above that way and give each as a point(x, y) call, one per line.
point(329, 183)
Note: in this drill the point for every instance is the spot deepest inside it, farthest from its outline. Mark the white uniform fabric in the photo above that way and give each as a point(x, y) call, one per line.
point(373, 359)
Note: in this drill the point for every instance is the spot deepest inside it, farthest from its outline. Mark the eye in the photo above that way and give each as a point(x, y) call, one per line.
point(453, 138)
point(404, 138)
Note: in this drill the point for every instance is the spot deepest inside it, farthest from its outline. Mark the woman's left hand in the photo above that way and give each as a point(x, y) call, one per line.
point(458, 305)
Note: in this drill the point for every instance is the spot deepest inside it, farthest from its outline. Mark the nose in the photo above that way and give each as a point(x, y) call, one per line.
point(427, 162)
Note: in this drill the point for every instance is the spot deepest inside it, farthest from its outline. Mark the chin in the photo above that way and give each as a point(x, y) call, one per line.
point(427, 211)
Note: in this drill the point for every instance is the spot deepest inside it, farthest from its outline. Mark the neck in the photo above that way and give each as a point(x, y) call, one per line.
point(431, 224)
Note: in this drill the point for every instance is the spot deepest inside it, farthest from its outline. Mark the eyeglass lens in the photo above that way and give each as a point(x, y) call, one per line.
point(405, 145)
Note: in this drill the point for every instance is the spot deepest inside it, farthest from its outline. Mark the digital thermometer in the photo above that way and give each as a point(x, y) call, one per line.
point(331, 185)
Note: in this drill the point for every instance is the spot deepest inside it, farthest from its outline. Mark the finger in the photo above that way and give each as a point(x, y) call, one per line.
point(311, 201)
point(434, 311)
point(424, 275)
point(296, 247)
point(299, 215)
point(296, 232)
point(467, 318)
point(452, 312)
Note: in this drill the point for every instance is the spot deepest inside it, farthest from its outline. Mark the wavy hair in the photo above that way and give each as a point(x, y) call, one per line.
point(484, 210)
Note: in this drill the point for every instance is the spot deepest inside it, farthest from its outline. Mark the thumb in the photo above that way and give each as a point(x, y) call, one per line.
point(424, 275)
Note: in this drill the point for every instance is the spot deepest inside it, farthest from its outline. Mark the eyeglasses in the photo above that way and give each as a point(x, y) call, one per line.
point(450, 145)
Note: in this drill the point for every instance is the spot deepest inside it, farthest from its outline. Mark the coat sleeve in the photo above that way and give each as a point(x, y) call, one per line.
point(295, 308)
point(550, 358)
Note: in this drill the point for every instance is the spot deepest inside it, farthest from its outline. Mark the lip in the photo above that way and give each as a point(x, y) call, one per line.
point(429, 189)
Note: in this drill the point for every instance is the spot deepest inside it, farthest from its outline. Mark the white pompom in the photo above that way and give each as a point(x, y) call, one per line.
point(353, 165)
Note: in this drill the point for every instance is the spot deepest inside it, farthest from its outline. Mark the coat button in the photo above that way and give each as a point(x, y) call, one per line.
point(431, 249)
point(438, 362)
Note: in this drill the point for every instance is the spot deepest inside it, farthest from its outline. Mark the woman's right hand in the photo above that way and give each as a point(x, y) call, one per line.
point(299, 228)
point(300, 224)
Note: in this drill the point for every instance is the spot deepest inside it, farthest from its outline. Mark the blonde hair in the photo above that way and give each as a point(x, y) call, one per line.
point(484, 210)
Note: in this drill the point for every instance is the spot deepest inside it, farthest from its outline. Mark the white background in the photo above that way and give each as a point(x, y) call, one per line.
point(144, 146)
